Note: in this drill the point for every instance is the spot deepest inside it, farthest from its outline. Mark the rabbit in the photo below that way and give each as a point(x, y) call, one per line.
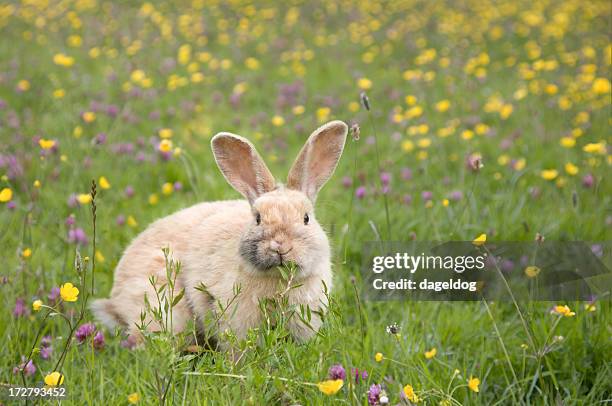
point(225, 244)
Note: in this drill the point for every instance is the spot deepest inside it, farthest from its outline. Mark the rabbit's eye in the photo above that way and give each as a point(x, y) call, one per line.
point(306, 218)
point(258, 218)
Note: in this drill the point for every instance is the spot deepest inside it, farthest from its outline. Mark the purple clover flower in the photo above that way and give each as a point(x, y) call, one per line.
point(98, 340)
point(84, 331)
point(360, 192)
point(374, 394)
point(77, 236)
point(28, 368)
point(20, 309)
point(337, 372)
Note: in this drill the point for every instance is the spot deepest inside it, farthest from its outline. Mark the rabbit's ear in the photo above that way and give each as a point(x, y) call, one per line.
point(242, 166)
point(318, 159)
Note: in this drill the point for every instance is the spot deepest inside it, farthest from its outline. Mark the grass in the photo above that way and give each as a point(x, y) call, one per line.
point(528, 90)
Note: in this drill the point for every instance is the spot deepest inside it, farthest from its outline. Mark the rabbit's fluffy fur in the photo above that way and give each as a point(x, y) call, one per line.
point(233, 243)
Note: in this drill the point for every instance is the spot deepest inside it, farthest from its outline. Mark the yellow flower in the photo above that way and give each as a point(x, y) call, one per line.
point(37, 184)
point(63, 60)
point(549, 174)
point(89, 116)
point(5, 195)
point(165, 133)
point(407, 145)
point(26, 253)
point(590, 307)
point(137, 76)
point(165, 146)
point(467, 134)
point(297, 110)
point(104, 184)
point(601, 86)
point(364, 83)
point(46, 144)
point(411, 100)
point(424, 143)
point(431, 353)
point(532, 271)
point(36, 305)
point(571, 169)
point(153, 199)
point(59, 93)
point(277, 121)
point(473, 384)
point(131, 221)
point(410, 395)
point(445, 202)
point(567, 142)
point(251, 63)
point(480, 240)
point(378, 357)
point(134, 398)
point(505, 111)
point(23, 85)
point(99, 256)
point(69, 292)
point(54, 379)
point(167, 188)
point(413, 112)
point(84, 198)
point(563, 311)
point(323, 114)
point(520, 164)
point(443, 105)
point(595, 148)
point(481, 128)
point(330, 387)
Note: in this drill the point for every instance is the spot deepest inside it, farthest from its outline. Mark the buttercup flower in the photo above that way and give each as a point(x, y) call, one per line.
point(69, 292)
point(532, 271)
point(277, 121)
point(330, 387)
point(104, 183)
point(36, 305)
point(473, 384)
point(165, 133)
point(549, 174)
point(165, 145)
point(410, 395)
point(480, 240)
point(6, 194)
point(378, 357)
point(46, 144)
point(431, 353)
point(364, 83)
point(134, 398)
point(54, 379)
point(563, 310)
point(84, 198)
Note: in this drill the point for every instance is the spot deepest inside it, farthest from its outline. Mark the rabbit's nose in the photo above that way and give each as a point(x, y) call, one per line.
point(275, 245)
point(280, 247)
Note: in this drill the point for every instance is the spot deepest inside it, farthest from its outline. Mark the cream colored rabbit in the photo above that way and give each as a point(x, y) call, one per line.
point(226, 244)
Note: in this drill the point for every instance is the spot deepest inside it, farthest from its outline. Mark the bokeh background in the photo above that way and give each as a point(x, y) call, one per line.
point(486, 117)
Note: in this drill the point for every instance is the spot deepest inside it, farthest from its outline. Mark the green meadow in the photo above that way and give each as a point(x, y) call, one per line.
point(469, 120)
